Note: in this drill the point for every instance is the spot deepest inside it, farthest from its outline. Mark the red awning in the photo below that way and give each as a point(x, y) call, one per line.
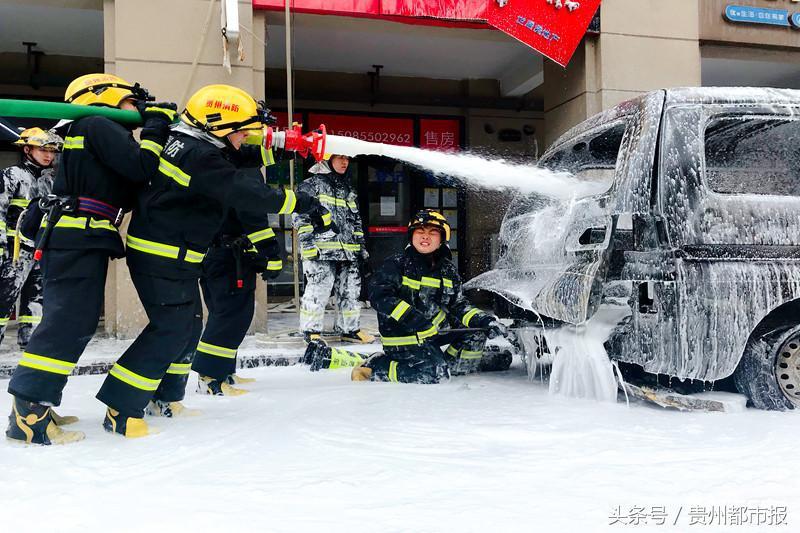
point(552, 27)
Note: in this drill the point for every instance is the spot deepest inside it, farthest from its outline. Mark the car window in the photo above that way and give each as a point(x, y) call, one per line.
point(592, 157)
point(753, 155)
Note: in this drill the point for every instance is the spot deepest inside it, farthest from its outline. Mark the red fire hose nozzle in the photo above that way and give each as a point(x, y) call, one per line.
point(294, 139)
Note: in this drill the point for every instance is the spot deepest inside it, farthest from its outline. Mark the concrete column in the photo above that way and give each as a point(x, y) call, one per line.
point(155, 42)
point(643, 45)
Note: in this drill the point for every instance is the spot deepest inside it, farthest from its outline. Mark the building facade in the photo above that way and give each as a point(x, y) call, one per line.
point(433, 84)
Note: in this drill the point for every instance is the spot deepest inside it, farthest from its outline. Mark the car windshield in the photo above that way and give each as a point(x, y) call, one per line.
point(753, 155)
point(591, 157)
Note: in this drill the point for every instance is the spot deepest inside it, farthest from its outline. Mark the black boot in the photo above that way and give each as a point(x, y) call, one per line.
point(317, 354)
point(32, 423)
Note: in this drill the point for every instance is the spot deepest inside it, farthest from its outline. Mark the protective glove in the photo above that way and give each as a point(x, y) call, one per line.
point(165, 111)
point(272, 269)
point(495, 329)
point(322, 220)
point(363, 255)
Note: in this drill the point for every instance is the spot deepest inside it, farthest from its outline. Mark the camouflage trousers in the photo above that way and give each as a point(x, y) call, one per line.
point(323, 277)
point(21, 280)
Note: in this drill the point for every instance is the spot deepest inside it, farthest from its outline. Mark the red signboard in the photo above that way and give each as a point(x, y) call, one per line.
point(552, 27)
point(387, 229)
point(440, 134)
point(449, 9)
point(399, 131)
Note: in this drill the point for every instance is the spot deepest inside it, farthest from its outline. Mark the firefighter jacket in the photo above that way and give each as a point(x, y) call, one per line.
point(265, 252)
point(198, 182)
point(20, 184)
point(334, 191)
point(414, 294)
point(103, 163)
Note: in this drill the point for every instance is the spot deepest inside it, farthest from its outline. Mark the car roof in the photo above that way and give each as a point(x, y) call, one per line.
point(682, 96)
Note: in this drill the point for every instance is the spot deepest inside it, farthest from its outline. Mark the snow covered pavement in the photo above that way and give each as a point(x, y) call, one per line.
point(316, 452)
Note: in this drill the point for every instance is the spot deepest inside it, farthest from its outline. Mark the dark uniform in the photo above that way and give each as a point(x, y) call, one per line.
point(21, 278)
point(176, 218)
point(228, 282)
point(101, 170)
point(417, 297)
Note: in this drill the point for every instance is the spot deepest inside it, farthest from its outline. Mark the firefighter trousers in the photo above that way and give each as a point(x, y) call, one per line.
point(427, 363)
point(156, 364)
point(323, 277)
point(21, 280)
point(230, 312)
point(74, 286)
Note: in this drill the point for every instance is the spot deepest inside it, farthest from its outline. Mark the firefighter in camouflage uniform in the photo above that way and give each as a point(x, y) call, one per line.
point(331, 261)
point(20, 277)
point(417, 295)
point(99, 174)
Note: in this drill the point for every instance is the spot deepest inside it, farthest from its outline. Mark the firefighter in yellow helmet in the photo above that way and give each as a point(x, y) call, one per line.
point(100, 172)
point(22, 183)
point(418, 297)
point(205, 176)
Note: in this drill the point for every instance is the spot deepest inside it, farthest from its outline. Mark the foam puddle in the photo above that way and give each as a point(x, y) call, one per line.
point(473, 170)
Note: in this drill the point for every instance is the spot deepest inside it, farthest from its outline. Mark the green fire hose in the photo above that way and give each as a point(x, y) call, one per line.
point(56, 111)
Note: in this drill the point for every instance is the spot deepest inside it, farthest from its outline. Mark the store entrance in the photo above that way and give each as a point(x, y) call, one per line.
point(386, 202)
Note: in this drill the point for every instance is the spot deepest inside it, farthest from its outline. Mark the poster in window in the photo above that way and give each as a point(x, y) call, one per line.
point(431, 197)
point(388, 206)
point(450, 197)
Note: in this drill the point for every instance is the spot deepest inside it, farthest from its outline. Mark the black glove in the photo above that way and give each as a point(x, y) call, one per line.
point(322, 220)
point(495, 329)
point(272, 269)
point(164, 111)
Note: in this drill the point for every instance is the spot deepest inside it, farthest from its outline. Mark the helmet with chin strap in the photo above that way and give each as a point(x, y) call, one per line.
point(429, 217)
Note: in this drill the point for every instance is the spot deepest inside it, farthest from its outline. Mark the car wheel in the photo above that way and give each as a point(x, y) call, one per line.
point(769, 372)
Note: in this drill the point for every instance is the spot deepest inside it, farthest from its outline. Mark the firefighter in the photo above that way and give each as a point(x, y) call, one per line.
point(100, 171)
point(416, 293)
point(228, 283)
point(331, 261)
point(20, 277)
point(204, 172)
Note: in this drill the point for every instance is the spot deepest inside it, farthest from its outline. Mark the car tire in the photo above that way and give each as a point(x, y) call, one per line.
point(769, 372)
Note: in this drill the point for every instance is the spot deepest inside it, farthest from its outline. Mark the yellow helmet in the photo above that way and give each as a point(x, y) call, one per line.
point(223, 109)
point(429, 217)
point(40, 138)
point(100, 89)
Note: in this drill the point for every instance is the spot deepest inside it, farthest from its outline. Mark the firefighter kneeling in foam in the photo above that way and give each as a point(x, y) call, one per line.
point(417, 294)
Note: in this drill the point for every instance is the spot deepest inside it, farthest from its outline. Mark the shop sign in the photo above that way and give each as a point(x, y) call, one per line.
point(762, 15)
point(397, 131)
point(387, 229)
point(554, 28)
point(440, 134)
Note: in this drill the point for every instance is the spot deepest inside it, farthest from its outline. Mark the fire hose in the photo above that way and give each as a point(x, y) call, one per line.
point(292, 139)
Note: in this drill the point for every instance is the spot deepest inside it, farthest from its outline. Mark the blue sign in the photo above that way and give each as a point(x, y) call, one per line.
point(757, 15)
point(796, 20)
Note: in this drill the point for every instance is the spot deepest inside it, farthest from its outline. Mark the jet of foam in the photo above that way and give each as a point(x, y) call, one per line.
point(473, 170)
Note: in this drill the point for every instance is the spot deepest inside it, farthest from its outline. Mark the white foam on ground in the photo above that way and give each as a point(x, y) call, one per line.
point(315, 452)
